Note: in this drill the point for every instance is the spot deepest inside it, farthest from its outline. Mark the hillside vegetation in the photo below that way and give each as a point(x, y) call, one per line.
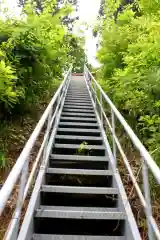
point(130, 65)
point(36, 50)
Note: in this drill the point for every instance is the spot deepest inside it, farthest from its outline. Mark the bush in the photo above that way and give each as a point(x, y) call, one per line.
point(130, 72)
point(37, 48)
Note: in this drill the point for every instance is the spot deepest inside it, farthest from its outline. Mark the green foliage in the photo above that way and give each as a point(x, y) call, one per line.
point(82, 150)
point(8, 96)
point(34, 53)
point(2, 160)
point(130, 67)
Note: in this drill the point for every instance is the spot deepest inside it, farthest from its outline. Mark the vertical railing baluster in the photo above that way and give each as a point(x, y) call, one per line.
point(147, 198)
point(113, 140)
point(101, 108)
point(47, 133)
point(95, 93)
point(13, 232)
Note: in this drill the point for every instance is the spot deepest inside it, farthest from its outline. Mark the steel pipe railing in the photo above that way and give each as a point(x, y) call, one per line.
point(146, 160)
point(20, 170)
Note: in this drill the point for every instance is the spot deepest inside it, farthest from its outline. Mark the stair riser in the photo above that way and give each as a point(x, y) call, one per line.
point(77, 95)
point(83, 120)
point(78, 104)
point(78, 111)
point(78, 180)
point(80, 115)
point(79, 99)
point(79, 200)
point(78, 132)
point(79, 226)
point(77, 107)
point(92, 152)
point(78, 141)
point(70, 100)
point(78, 164)
point(77, 125)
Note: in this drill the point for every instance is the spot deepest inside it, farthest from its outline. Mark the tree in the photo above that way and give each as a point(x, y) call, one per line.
point(67, 20)
point(34, 52)
point(129, 57)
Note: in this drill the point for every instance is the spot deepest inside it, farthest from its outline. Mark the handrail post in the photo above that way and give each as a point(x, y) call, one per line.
point(101, 107)
point(12, 232)
point(147, 198)
point(113, 134)
point(47, 134)
point(95, 93)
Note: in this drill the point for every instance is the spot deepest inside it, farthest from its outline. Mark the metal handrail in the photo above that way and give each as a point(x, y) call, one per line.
point(20, 169)
point(147, 160)
point(144, 153)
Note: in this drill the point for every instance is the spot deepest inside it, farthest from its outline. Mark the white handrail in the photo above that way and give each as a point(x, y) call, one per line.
point(10, 182)
point(144, 153)
point(147, 161)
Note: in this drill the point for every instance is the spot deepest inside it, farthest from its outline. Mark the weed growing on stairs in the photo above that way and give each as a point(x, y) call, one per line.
point(82, 149)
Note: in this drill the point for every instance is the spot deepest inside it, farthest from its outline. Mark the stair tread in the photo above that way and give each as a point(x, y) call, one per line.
point(74, 237)
point(75, 90)
point(78, 119)
point(78, 114)
point(77, 94)
point(79, 171)
point(77, 100)
point(77, 106)
point(78, 103)
point(78, 110)
point(77, 146)
point(78, 157)
point(78, 137)
point(85, 190)
point(71, 208)
point(78, 130)
point(79, 124)
point(78, 214)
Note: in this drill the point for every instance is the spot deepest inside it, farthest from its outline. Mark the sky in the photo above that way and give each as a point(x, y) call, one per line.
point(88, 10)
